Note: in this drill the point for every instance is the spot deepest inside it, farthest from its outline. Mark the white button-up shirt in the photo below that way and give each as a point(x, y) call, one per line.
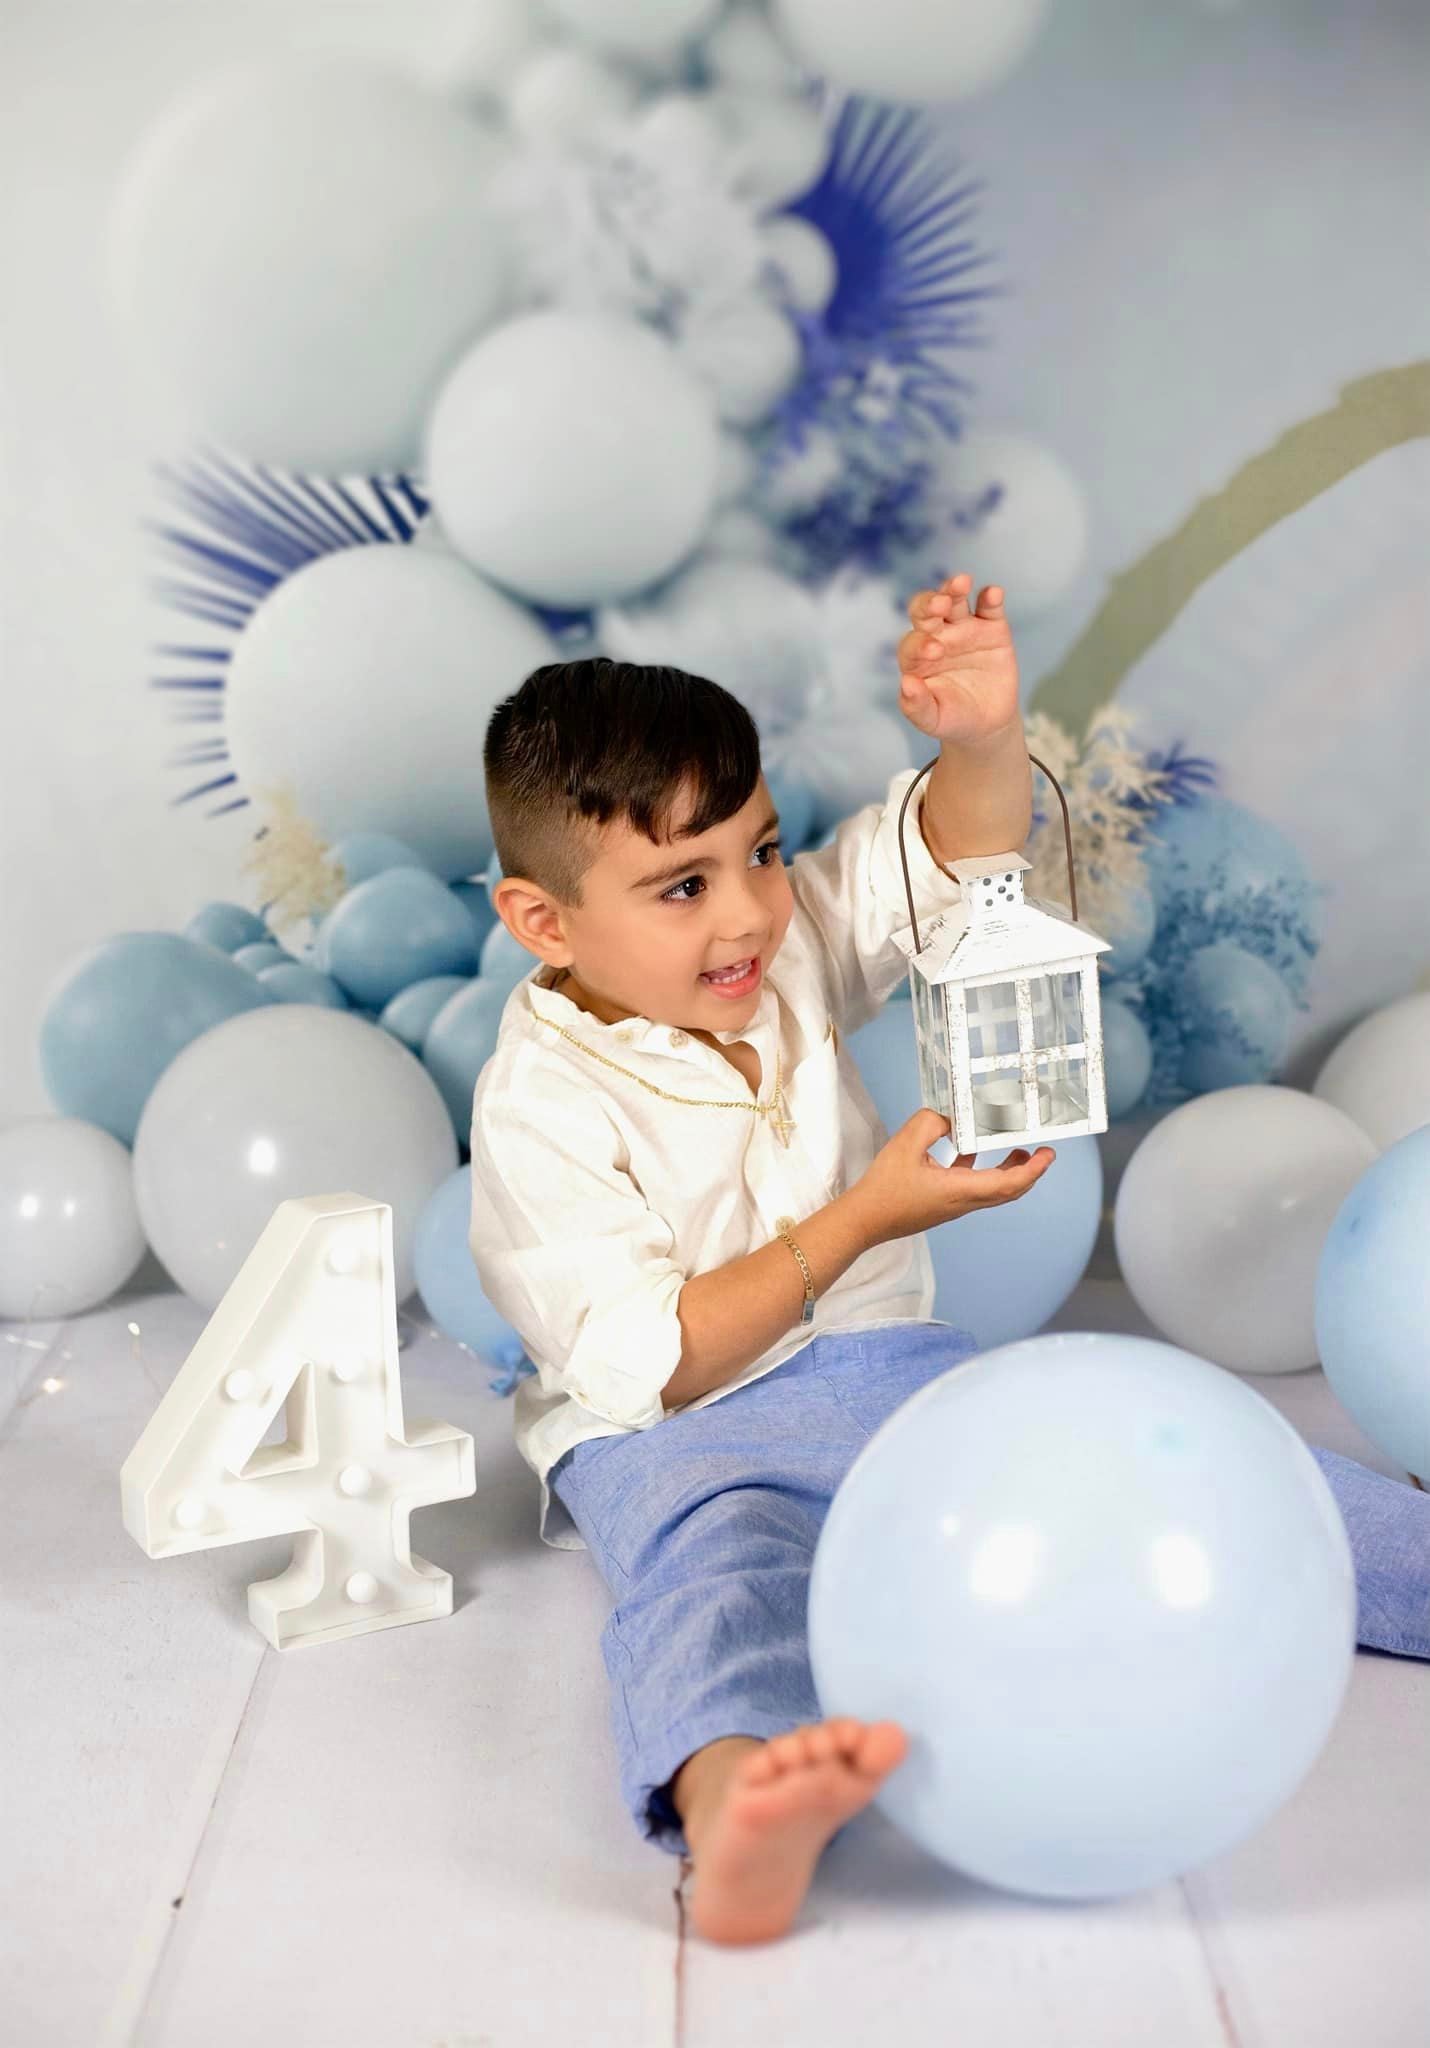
point(611, 1162)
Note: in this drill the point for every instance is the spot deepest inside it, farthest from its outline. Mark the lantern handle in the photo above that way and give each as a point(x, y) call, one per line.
point(903, 851)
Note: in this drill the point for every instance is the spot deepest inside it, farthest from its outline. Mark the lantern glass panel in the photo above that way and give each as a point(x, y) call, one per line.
point(992, 1020)
point(1057, 1009)
point(1062, 1090)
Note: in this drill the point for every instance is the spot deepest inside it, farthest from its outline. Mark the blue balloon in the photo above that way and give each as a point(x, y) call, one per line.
point(505, 960)
point(795, 801)
point(1222, 843)
point(400, 926)
point(409, 1015)
point(1136, 929)
point(260, 954)
point(1373, 1303)
point(447, 1276)
point(361, 855)
point(1107, 1592)
point(478, 905)
point(124, 1010)
point(292, 982)
point(227, 926)
point(492, 874)
point(459, 1042)
point(1127, 1056)
point(999, 1273)
point(1237, 1014)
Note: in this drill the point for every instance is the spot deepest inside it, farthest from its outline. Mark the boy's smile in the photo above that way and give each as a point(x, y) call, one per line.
point(656, 921)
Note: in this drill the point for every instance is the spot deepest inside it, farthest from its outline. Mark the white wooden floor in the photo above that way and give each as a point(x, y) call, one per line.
point(412, 1839)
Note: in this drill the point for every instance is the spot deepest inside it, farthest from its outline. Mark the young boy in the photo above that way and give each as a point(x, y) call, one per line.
point(685, 1203)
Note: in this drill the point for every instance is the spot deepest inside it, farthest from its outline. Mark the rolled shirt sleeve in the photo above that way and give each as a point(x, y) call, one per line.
point(852, 892)
point(569, 1251)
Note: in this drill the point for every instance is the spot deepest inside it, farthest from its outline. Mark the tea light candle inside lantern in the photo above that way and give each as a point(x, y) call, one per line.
point(1007, 1009)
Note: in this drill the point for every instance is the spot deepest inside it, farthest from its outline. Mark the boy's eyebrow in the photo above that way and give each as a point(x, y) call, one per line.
point(686, 867)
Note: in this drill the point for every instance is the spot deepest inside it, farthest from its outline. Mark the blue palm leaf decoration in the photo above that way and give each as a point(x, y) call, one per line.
point(897, 207)
point(236, 530)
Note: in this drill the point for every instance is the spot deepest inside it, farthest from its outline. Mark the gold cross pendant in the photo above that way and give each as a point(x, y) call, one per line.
point(781, 1124)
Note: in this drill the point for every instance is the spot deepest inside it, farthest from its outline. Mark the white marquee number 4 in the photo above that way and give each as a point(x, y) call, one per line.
point(310, 1321)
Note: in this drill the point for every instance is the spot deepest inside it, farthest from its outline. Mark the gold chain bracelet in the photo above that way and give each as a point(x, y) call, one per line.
point(782, 1226)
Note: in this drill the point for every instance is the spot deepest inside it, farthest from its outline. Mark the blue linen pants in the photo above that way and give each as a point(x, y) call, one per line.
point(704, 1529)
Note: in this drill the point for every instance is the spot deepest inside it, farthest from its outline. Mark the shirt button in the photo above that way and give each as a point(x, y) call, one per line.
point(625, 1035)
point(784, 1223)
point(678, 1037)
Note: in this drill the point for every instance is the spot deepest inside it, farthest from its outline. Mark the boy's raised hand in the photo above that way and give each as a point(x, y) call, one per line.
point(958, 673)
point(902, 1191)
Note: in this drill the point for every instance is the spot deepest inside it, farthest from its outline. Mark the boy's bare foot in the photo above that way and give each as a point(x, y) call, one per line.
point(755, 1851)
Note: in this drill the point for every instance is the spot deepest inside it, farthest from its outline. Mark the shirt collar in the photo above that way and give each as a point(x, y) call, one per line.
point(556, 1008)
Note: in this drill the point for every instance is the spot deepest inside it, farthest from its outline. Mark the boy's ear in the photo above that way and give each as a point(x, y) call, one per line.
point(531, 917)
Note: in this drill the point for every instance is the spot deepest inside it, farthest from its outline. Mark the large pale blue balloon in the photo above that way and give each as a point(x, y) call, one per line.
point(459, 1042)
point(1220, 842)
point(475, 898)
point(123, 1010)
point(290, 1100)
point(409, 1015)
point(1127, 1053)
point(1109, 1595)
point(447, 1275)
point(401, 925)
point(293, 982)
point(1373, 1303)
point(1000, 1273)
point(364, 854)
point(1237, 1012)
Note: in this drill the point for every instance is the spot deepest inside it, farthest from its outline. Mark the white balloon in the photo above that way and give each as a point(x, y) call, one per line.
point(573, 457)
point(739, 534)
point(565, 96)
point(805, 475)
point(69, 1227)
point(779, 145)
point(747, 352)
point(1035, 541)
point(298, 251)
point(920, 50)
point(1221, 1217)
point(1379, 1074)
point(364, 684)
point(307, 1101)
point(847, 756)
point(804, 260)
point(743, 50)
point(482, 49)
point(679, 128)
point(637, 28)
point(737, 469)
point(742, 624)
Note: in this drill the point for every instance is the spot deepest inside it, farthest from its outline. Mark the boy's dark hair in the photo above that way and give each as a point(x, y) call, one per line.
point(582, 742)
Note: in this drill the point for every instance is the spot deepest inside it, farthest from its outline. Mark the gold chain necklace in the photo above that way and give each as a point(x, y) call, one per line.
point(780, 1123)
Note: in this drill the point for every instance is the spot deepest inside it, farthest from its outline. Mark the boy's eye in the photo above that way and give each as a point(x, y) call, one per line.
point(673, 895)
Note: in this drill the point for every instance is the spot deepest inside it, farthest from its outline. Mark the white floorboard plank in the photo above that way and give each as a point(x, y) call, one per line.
point(418, 1839)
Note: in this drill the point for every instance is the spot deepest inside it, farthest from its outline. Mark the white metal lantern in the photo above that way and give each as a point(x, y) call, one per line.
point(1006, 1005)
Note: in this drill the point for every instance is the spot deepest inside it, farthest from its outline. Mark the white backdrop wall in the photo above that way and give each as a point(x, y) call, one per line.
point(1211, 217)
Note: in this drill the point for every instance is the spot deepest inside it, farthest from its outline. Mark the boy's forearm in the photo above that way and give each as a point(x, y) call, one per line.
point(980, 798)
point(731, 1315)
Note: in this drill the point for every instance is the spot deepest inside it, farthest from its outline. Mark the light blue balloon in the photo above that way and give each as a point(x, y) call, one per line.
point(1127, 1056)
point(227, 926)
point(447, 1277)
point(999, 1273)
point(362, 855)
point(1107, 1592)
point(478, 905)
point(1237, 1013)
point(1373, 1303)
point(292, 982)
point(505, 960)
point(262, 953)
point(795, 801)
point(1220, 842)
point(409, 1015)
point(1135, 930)
point(400, 926)
point(124, 1010)
point(461, 1040)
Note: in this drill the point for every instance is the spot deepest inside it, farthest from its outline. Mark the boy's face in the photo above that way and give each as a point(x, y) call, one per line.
point(654, 918)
